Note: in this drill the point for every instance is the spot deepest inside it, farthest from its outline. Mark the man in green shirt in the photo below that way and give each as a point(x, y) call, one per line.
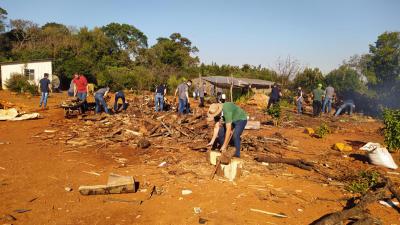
point(230, 121)
point(317, 94)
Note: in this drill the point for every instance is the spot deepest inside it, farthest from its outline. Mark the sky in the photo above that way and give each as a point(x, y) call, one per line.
point(318, 33)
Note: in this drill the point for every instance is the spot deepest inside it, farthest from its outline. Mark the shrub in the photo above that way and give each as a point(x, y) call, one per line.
point(365, 181)
point(322, 131)
point(391, 119)
point(275, 111)
point(20, 84)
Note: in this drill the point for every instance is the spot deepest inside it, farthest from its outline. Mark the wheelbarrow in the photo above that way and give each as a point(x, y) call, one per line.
point(72, 107)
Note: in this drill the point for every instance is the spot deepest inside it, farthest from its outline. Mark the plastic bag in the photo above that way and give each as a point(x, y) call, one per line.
point(379, 155)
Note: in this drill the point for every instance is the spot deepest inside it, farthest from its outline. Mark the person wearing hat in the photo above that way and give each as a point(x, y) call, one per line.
point(317, 100)
point(230, 121)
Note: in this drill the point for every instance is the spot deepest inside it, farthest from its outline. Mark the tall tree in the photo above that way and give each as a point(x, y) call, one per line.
point(3, 17)
point(345, 79)
point(287, 69)
point(126, 37)
point(308, 79)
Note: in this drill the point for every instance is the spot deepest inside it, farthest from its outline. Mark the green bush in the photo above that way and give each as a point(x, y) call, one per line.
point(365, 181)
point(322, 131)
point(391, 119)
point(20, 84)
point(275, 111)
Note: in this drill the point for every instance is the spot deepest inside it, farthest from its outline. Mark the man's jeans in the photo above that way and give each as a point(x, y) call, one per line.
point(327, 101)
point(201, 102)
point(350, 107)
point(82, 96)
point(119, 95)
point(299, 106)
point(99, 98)
point(159, 99)
point(316, 108)
point(238, 127)
point(43, 99)
point(183, 106)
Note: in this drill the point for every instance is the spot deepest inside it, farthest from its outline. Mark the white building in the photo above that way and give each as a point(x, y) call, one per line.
point(33, 70)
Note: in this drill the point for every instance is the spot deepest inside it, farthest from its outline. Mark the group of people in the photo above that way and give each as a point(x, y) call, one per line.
point(322, 100)
point(80, 88)
point(229, 119)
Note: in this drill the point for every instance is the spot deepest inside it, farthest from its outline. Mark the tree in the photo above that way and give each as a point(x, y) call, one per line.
point(345, 79)
point(3, 17)
point(385, 63)
point(308, 79)
point(126, 37)
point(175, 52)
point(287, 69)
point(25, 32)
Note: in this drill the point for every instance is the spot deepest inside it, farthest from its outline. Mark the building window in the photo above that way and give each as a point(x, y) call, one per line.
point(30, 74)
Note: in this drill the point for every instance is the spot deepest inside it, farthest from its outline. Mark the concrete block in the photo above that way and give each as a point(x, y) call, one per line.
point(233, 170)
point(213, 157)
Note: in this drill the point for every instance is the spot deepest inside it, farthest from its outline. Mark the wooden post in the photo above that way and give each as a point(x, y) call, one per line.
point(231, 88)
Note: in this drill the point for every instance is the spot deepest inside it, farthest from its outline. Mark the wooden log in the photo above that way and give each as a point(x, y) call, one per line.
point(356, 211)
point(294, 162)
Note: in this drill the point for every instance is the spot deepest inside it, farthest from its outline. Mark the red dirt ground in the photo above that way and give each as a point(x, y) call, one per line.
point(34, 174)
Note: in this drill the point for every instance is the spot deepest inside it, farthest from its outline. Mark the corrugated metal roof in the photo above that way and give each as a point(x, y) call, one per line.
point(226, 82)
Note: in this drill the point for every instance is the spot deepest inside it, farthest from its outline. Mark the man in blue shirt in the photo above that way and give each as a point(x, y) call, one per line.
point(44, 88)
point(275, 95)
point(161, 90)
point(100, 101)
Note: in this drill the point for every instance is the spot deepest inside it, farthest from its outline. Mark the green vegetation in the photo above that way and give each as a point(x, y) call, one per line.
point(365, 181)
point(322, 131)
point(391, 119)
point(20, 84)
point(275, 112)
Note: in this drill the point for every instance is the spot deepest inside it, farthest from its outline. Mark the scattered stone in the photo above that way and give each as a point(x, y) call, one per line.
point(197, 210)
point(342, 147)
point(68, 189)
point(186, 192)
point(309, 131)
point(202, 221)
point(143, 143)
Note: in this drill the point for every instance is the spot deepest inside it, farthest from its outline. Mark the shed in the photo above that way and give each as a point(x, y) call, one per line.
point(33, 70)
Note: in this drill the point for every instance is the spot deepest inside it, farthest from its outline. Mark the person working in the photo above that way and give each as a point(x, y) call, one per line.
point(202, 93)
point(183, 96)
point(317, 100)
point(230, 121)
point(161, 91)
point(44, 88)
point(119, 94)
point(81, 89)
point(329, 95)
point(299, 100)
point(347, 105)
point(275, 95)
point(99, 96)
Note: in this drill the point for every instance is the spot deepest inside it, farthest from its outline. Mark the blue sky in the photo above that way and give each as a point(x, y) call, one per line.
point(319, 33)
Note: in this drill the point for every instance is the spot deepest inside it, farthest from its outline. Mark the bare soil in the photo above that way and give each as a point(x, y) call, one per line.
point(34, 172)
